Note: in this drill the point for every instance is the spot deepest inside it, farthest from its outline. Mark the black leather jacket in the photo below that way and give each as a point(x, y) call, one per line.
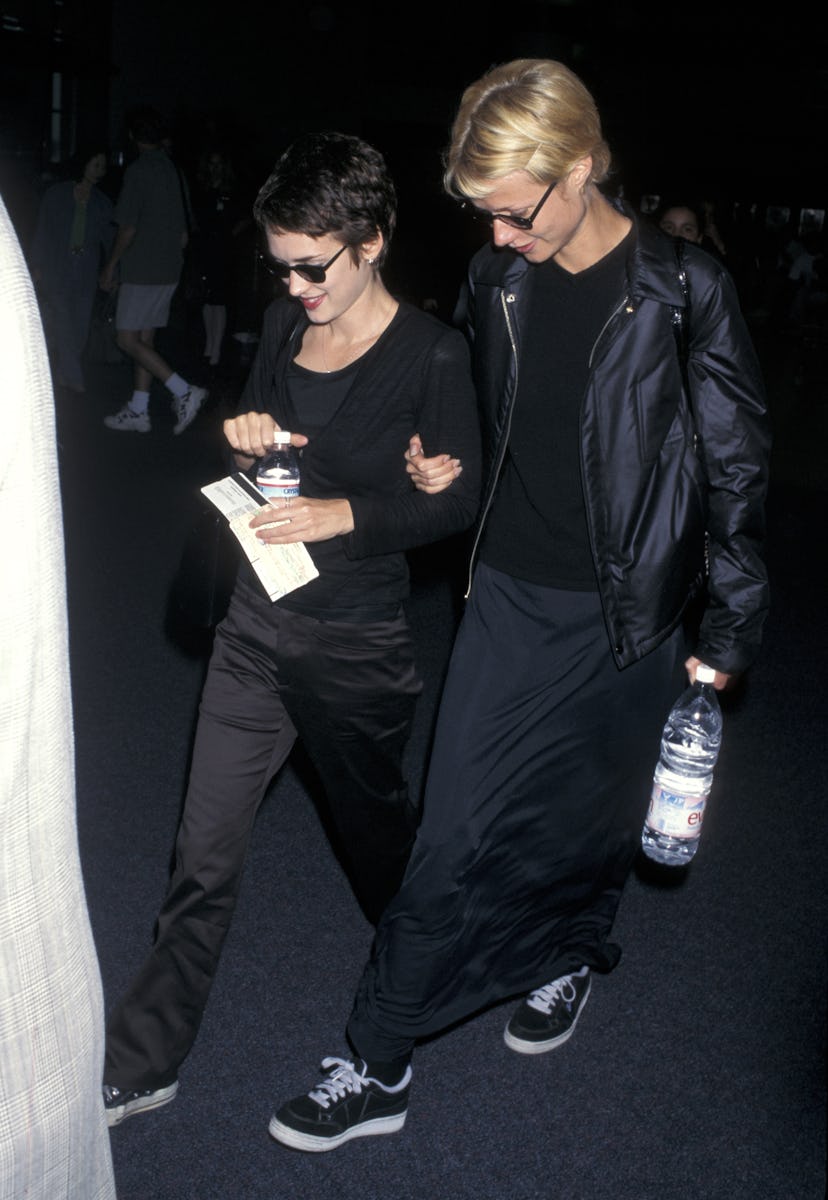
point(662, 479)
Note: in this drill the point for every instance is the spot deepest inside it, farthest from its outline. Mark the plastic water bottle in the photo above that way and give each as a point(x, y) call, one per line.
point(690, 745)
point(277, 475)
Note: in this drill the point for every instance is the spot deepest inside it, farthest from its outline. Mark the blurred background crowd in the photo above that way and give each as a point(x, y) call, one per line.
point(712, 113)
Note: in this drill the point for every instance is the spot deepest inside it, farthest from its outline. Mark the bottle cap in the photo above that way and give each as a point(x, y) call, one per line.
point(705, 674)
point(281, 438)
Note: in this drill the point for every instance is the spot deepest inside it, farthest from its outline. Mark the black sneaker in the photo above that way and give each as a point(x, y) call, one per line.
point(122, 1104)
point(347, 1104)
point(548, 1016)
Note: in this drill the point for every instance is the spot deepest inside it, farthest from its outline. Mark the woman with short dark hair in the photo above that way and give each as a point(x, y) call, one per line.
point(353, 374)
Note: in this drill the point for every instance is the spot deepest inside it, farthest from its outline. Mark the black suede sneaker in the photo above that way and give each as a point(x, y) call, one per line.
point(347, 1104)
point(548, 1016)
point(120, 1104)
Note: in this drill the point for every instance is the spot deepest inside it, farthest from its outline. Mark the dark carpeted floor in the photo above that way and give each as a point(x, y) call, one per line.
point(698, 1069)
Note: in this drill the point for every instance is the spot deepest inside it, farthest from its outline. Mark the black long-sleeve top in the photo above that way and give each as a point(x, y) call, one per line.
point(416, 378)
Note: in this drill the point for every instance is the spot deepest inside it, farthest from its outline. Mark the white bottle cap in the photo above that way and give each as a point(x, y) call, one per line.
point(705, 674)
point(281, 437)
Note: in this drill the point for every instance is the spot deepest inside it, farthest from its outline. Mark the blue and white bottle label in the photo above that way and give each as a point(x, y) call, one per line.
point(273, 490)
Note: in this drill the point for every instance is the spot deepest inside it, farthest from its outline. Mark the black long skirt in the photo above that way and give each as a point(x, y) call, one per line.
point(537, 790)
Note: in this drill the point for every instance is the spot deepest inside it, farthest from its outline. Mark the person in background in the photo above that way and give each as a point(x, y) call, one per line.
point(605, 485)
point(219, 221)
point(682, 220)
point(352, 373)
point(145, 265)
point(691, 222)
point(73, 235)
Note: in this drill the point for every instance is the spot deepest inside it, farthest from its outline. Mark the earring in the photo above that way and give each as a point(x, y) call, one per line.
point(371, 262)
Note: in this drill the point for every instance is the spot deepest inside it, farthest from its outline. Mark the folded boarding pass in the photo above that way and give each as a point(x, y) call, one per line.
point(281, 569)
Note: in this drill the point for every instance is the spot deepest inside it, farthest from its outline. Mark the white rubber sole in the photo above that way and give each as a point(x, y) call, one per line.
point(521, 1046)
point(128, 428)
point(306, 1141)
point(114, 1116)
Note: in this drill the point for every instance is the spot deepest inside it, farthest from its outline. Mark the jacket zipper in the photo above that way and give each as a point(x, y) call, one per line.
point(504, 441)
point(625, 303)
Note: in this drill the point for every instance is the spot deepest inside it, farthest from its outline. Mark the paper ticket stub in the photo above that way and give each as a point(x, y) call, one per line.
point(281, 569)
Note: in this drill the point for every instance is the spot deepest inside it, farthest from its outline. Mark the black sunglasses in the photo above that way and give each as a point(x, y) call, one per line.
point(313, 272)
point(507, 218)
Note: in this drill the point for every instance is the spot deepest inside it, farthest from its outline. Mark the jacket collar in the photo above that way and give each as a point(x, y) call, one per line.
point(498, 268)
point(652, 267)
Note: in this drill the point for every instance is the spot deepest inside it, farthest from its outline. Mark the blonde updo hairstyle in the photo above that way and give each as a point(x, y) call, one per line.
point(533, 115)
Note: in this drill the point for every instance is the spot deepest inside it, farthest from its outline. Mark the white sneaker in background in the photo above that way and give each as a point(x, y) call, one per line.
point(128, 421)
point(186, 407)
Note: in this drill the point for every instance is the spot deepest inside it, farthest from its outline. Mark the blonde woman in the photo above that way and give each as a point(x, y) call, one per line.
point(603, 477)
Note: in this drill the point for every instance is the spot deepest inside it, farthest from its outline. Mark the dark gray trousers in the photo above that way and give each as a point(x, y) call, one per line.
point(348, 690)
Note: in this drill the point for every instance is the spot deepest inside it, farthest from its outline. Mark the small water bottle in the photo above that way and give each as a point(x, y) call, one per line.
point(277, 475)
point(690, 745)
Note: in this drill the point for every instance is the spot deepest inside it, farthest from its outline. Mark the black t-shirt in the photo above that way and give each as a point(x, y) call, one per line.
point(416, 378)
point(537, 527)
point(316, 396)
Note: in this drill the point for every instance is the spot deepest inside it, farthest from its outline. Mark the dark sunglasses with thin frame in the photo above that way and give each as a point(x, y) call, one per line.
point(313, 272)
point(507, 218)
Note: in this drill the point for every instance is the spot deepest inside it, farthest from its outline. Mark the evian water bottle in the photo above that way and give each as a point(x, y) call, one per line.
point(277, 475)
point(690, 745)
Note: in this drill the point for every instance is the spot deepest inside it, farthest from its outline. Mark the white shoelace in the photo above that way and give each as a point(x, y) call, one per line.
point(343, 1078)
point(543, 998)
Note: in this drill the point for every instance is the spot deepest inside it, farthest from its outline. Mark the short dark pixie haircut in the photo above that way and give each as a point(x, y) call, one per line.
point(330, 183)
